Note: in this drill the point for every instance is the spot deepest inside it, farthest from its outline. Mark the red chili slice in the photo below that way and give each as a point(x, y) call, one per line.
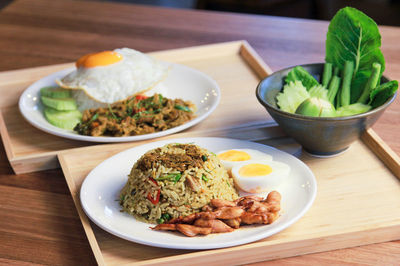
point(141, 97)
point(149, 197)
point(156, 200)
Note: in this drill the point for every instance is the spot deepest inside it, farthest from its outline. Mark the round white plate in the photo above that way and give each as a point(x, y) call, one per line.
point(182, 82)
point(100, 193)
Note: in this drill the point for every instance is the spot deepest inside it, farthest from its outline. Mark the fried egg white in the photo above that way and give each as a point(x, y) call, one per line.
point(112, 76)
point(258, 176)
point(230, 158)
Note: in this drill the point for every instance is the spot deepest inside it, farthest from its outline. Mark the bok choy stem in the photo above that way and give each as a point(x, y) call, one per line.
point(327, 74)
point(347, 77)
point(371, 84)
point(333, 88)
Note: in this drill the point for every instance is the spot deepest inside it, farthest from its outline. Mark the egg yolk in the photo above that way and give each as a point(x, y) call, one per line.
point(99, 59)
point(255, 169)
point(234, 156)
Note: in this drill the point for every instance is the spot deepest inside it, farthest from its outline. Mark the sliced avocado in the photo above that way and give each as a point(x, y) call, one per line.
point(61, 104)
point(63, 119)
point(55, 92)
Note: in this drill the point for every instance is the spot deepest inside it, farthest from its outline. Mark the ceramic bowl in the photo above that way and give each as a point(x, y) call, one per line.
point(322, 136)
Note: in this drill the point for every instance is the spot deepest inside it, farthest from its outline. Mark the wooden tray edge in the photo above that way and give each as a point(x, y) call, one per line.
point(256, 252)
point(84, 219)
point(382, 151)
point(5, 137)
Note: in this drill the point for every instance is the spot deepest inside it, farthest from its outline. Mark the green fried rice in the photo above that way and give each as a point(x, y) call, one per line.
point(175, 180)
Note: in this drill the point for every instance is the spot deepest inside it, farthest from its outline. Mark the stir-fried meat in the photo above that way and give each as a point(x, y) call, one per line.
point(136, 116)
point(222, 216)
point(190, 230)
point(167, 227)
point(191, 159)
point(228, 212)
point(218, 203)
point(207, 208)
point(217, 226)
point(274, 196)
point(253, 218)
point(234, 223)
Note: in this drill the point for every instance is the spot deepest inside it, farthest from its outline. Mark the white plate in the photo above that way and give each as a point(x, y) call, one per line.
point(182, 82)
point(100, 192)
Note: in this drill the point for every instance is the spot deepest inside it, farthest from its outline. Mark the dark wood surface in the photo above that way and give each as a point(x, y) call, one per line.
point(38, 221)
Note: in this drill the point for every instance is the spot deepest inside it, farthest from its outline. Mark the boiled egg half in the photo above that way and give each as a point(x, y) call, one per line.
point(231, 158)
point(258, 176)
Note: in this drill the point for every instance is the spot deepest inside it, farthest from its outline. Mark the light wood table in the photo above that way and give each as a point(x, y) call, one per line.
point(38, 220)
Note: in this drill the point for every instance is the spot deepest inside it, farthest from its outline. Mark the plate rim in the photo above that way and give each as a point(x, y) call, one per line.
point(254, 238)
point(73, 136)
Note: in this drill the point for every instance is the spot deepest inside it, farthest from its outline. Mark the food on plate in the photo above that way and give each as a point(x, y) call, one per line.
point(175, 180)
point(230, 158)
point(351, 75)
point(111, 76)
point(221, 216)
point(136, 116)
point(107, 87)
point(60, 110)
point(258, 176)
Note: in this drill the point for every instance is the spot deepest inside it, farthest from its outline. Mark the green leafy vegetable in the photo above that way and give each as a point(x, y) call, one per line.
point(292, 96)
point(319, 91)
point(382, 93)
point(298, 73)
point(316, 107)
point(353, 109)
point(353, 36)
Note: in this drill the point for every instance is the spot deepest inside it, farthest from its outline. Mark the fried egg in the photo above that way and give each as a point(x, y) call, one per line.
point(111, 76)
point(258, 176)
point(230, 158)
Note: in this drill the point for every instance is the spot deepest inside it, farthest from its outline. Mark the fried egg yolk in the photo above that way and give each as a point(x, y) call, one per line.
point(234, 156)
point(104, 58)
point(255, 169)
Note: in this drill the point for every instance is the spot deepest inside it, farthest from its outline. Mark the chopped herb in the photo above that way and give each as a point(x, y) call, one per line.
point(171, 177)
point(129, 111)
point(160, 97)
point(204, 178)
point(229, 185)
point(112, 113)
point(166, 216)
point(94, 117)
point(182, 108)
point(122, 198)
point(204, 158)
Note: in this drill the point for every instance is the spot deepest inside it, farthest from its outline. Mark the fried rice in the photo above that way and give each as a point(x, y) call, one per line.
point(175, 180)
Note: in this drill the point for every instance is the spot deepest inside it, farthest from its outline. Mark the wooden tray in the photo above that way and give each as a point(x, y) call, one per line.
point(357, 203)
point(234, 65)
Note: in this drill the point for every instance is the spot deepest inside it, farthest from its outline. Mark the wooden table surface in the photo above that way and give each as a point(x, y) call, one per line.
point(38, 220)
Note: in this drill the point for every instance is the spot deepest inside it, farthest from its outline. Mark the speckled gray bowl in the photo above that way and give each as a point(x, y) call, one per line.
point(322, 136)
